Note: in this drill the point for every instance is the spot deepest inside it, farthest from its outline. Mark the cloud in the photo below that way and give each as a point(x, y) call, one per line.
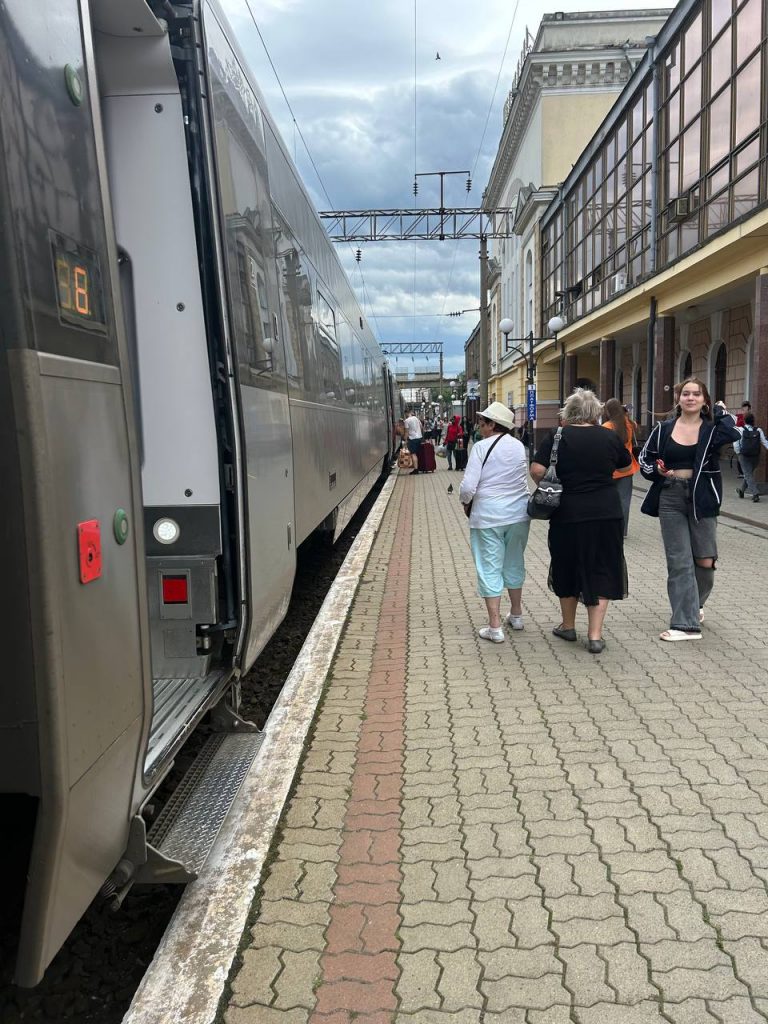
point(349, 68)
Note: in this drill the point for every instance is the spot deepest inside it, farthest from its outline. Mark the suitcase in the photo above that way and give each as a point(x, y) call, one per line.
point(427, 463)
point(460, 458)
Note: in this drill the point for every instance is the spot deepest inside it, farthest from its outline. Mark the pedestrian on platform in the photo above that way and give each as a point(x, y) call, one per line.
point(495, 485)
point(614, 418)
point(681, 459)
point(748, 450)
point(746, 408)
point(414, 433)
point(452, 435)
point(586, 533)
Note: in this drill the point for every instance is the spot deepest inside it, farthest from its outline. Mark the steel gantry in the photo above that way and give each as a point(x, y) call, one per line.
point(437, 224)
point(416, 348)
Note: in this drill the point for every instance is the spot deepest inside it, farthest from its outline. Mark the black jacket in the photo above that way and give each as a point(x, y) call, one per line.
point(707, 479)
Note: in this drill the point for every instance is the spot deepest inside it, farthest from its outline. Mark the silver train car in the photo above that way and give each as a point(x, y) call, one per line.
point(188, 389)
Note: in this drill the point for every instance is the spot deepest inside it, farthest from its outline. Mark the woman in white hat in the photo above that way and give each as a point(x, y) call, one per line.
point(495, 485)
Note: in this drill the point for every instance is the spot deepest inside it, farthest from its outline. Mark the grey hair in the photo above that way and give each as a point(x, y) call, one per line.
point(583, 406)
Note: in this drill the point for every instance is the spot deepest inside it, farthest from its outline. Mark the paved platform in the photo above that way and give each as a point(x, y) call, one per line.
point(523, 833)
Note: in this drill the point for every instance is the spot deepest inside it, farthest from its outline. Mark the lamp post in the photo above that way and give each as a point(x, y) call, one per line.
point(506, 326)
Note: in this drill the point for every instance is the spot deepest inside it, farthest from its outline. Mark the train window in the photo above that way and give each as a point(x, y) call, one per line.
point(326, 319)
point(328, 355)
point(242, 171)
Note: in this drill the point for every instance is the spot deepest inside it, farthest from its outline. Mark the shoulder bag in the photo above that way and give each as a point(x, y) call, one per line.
point(468, 506)
point(545, 500)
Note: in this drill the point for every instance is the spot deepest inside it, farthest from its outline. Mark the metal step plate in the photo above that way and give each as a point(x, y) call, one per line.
point(186, 828)
point(175, 703)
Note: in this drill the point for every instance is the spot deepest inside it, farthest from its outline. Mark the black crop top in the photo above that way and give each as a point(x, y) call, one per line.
point(679, 456)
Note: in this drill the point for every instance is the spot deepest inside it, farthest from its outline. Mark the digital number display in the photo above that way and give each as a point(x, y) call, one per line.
point(78, 284)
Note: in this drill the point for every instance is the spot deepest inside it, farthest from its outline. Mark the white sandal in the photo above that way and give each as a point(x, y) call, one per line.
point(672, 635)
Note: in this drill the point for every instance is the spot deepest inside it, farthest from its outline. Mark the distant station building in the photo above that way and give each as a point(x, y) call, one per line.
point(567, 80)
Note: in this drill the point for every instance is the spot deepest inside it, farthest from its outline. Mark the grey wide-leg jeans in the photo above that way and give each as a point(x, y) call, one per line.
point(688, 584)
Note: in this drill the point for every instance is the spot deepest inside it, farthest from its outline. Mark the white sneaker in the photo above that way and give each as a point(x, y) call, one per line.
point(673, 635)
point(496, 636)
point(701, 614)
point(515, 621)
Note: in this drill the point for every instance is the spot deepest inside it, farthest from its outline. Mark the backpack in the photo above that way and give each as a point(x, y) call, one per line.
point(750, 442)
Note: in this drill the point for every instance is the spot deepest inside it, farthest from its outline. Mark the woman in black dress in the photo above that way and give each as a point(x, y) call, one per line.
point(586, 541)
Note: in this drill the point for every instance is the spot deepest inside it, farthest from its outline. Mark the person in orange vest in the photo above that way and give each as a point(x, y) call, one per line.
point(614, 418)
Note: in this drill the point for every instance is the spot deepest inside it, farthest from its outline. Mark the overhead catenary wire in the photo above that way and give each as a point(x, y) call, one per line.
point(297, 129)
point(482, 139)
point(415, 149)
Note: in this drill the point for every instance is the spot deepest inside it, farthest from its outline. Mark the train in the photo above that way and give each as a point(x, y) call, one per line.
point(188, 390)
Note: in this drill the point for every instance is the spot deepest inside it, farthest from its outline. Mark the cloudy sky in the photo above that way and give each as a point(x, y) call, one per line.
point(348, 69)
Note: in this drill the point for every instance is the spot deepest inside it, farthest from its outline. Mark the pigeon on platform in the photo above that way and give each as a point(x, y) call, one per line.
point(450, 488)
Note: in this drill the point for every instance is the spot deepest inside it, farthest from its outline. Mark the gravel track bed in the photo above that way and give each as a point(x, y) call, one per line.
point(94, 976)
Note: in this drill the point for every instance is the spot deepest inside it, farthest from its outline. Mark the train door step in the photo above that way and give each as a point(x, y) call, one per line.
point(175, 705)
point(185, 830)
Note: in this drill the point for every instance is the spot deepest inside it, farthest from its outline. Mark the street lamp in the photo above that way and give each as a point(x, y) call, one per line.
point(506, 326)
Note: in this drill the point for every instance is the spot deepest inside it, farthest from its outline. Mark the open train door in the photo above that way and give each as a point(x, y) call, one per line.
point(72, 605)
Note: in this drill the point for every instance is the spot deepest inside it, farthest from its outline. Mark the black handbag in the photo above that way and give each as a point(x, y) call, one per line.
point(545, 500)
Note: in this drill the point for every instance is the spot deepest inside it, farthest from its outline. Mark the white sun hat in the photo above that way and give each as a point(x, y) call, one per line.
point(499, 414)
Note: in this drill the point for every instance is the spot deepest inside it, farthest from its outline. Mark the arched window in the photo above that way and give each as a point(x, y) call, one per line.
point(637, 395)
point(721, 371)
point(620, 386)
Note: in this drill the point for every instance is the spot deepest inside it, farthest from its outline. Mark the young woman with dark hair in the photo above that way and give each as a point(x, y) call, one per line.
point(681, 459)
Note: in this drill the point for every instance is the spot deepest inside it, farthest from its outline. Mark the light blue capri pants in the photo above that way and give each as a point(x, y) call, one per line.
point(499, 553)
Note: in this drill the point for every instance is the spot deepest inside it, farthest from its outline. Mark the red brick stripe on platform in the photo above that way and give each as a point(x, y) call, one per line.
point(358, 967)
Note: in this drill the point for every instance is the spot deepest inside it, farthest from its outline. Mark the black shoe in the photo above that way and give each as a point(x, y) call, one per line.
point(595, 646)
point(564, 634)
point(755, 497)
point(740, 492)
point(413, 472)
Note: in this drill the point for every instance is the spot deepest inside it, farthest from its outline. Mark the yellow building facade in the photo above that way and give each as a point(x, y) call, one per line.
point(567, 81)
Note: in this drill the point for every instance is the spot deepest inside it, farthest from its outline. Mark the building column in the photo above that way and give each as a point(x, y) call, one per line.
point(663, 365)
point(759, 386)
point(571, 373)
point(607, 368)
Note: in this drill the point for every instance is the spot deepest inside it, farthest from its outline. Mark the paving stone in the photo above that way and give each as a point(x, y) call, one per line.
point(716, 982)
point(265, 1015)
point(254, 981)
point(417, 984)
point(451, 880)
point(526, 993)
point(609, 1013)
point(691, 1011)
point(296, 984)
point(449, 937)
point(418, 882)
point(458, 985)
point(585, 975)
point(685, 916)
point(293, 912)
point(435, 913)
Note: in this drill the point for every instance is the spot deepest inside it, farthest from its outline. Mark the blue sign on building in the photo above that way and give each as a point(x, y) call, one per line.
point(531, 402)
